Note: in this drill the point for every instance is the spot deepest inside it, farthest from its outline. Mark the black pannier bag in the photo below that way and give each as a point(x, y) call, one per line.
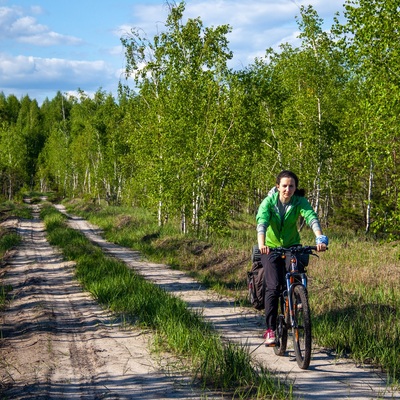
point(255, 280)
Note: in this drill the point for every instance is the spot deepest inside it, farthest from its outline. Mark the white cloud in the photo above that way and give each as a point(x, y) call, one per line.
point(239, 13)
point(29, 72)
point(36, 9)
point(256, 24)
point(15, 25)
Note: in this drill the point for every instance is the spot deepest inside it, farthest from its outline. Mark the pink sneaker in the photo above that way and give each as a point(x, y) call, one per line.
point(269, 337)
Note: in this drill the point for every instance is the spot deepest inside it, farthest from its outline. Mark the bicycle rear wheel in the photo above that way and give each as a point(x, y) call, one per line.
point(281, 332)
point(302, 326)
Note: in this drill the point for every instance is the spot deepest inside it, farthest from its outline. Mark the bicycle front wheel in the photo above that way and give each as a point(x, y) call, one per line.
point(302, 326)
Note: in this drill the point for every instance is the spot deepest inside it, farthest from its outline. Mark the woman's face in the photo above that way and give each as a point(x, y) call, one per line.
point(286, 189)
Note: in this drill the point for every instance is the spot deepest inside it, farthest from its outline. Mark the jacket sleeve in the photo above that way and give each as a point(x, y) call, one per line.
point(307, 211)
point(264, 212)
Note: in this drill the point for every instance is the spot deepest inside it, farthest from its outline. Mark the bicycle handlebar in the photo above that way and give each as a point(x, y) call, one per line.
point(256, 255)
point(295, 249)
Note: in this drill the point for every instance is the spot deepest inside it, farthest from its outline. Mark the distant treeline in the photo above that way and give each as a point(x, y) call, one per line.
point(195, 141)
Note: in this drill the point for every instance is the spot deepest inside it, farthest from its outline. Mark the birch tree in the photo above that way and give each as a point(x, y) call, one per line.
point(181, 75)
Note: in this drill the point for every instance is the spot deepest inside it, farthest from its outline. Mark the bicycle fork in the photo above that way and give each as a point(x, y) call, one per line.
point(290, 284)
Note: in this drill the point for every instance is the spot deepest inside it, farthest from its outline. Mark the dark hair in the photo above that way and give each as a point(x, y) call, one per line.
point(290, 174)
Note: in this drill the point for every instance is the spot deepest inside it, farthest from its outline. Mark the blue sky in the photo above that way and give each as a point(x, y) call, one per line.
point(51, 45)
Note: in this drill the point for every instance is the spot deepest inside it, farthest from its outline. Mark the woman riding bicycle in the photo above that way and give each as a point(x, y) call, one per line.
point(277, 219)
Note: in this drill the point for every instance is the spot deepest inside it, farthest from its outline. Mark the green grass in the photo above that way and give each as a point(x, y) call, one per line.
point(9, 238)
point(3, 295)
point(356, 303)
point(354, 288)
point(14, 209)
point(214, 363)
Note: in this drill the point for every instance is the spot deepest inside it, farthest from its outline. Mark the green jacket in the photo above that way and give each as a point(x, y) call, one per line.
point(283, 232)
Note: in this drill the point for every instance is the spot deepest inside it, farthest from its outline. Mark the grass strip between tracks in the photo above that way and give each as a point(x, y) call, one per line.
point(215, 364)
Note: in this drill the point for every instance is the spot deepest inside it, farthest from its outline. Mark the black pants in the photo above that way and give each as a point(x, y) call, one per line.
point(274, 277)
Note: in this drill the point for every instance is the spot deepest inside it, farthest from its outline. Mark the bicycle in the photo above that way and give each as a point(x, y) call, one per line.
point(294, 307)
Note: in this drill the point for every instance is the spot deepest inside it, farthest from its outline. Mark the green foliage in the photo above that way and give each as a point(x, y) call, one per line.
point(198, 142)
point(370, 43)
point(184, 146)
point(13, 153)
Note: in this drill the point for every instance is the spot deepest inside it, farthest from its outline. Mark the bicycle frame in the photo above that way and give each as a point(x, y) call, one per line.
point(293, 278)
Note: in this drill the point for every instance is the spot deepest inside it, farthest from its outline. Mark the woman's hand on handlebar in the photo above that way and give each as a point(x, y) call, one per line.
point(264, 249)
point(321, 247)
point(321, 241)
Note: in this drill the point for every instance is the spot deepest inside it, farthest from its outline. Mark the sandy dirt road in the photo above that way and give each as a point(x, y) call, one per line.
point(112, 362)
point(57, 343)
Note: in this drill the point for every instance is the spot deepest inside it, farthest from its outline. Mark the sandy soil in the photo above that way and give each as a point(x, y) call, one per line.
point(59, 344)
